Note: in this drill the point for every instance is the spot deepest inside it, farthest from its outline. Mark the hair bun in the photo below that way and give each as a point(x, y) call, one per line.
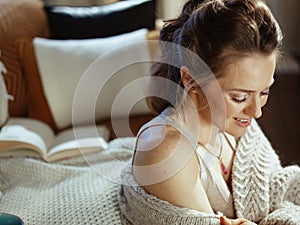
point(189, 7)
point(170, 27)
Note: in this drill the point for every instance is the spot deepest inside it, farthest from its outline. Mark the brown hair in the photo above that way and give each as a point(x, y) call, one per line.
point(215, 30)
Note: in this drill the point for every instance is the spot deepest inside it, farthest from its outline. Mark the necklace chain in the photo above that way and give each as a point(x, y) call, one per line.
point(219, 157)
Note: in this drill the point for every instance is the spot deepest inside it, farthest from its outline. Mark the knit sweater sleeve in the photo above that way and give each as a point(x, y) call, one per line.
point(284, 198)
point(285, 186)
point(138, 207)
point(288, 214)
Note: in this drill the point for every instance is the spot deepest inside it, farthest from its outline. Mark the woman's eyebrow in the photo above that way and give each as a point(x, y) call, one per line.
point(250, 91)
point(242, 90)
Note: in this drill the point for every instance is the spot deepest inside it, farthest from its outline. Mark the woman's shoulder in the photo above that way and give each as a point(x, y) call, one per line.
point(166, 165)
point(156, 143)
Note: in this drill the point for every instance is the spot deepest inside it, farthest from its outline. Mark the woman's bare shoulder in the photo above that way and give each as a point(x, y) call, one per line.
point(166, 166)
point(156, 144)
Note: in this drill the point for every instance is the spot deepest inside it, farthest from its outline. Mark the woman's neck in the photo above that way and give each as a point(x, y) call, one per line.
point(201, 127)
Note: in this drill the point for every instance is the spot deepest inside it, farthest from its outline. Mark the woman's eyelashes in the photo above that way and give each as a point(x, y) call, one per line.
point(243, 98)
point(239, 99)
point(265, 92)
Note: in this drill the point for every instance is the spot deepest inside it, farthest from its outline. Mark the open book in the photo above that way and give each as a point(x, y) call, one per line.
point(33, 138)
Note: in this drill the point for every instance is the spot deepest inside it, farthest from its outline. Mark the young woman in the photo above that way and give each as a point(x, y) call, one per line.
point(203, 159)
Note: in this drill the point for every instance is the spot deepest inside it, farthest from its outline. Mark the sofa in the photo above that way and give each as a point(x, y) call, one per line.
point(57, 24)
point(78, 190)
point(39, 42)
point(80, 27)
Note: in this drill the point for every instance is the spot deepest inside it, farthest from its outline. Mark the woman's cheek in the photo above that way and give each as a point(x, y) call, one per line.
point(264, 101)
point(232, 109)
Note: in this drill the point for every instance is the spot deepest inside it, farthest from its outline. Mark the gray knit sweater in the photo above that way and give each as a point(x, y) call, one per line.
point(263, 191)
point(76, 192)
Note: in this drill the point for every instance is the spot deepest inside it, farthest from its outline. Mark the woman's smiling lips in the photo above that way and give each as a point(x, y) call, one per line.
point(242, 122)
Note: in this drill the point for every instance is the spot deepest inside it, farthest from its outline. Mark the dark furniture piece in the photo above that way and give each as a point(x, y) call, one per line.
point(281, 116)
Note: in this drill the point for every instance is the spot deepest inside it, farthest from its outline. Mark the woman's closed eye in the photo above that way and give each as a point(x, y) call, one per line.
point(239, 99)
point(265, 92)
point(243, 98)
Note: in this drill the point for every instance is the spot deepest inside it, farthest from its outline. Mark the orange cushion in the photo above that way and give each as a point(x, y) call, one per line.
point(18, 18)
point(38, 105)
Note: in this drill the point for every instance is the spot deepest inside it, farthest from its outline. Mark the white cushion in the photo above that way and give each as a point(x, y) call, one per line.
point(62, 63)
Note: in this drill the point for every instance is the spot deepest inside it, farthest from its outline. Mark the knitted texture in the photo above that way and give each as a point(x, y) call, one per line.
point(138, 207)
point(71, 192)
point(259, 184)
point(76, 192)
point(285, 186)
point(254, 162)
point(287, 214)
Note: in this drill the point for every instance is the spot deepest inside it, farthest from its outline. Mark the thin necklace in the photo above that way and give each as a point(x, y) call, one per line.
point(218, 157)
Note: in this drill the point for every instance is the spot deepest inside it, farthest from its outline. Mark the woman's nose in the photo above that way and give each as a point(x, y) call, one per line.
point(254, 109)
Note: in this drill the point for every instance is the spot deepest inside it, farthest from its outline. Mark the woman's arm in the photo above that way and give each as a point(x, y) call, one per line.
point(177, 163)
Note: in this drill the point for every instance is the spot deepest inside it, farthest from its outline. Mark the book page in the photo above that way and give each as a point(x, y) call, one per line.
point(21, 149)
point(81, 133)
point(87, 138)
point(15, 137)
point(77, 147)
point(40, 128)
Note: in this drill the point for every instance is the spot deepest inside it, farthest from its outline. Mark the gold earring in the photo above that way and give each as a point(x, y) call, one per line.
point(202, 105)
point(194, 91)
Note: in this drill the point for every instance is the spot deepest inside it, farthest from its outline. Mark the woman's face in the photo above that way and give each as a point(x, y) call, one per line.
point(245, 86)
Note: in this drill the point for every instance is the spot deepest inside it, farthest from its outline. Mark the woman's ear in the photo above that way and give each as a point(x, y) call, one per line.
point(186, 77)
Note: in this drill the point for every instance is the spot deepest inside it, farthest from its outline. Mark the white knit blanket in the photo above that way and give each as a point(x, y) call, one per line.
point(76, 192)
point(71, 192)
point(263, 191)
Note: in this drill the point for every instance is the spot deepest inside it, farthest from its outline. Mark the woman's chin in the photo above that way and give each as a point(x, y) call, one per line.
point(237, 133)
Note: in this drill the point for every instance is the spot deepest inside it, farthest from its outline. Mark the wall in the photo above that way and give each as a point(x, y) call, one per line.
point(286, 12)
point(167, 9)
